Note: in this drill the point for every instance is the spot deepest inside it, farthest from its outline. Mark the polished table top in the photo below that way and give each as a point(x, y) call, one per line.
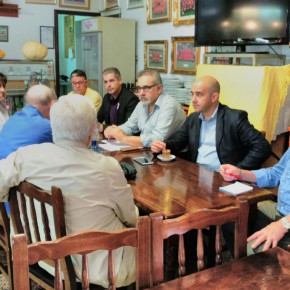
point(266, 270)
point(179, 186)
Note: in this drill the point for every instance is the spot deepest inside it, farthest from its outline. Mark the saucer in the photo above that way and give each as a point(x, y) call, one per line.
point(172, 157)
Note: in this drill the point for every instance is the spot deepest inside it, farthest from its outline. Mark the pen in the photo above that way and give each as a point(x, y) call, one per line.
point(234, 175)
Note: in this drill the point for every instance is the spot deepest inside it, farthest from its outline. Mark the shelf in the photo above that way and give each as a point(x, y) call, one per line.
point(9, 10)
point(237, 56)
point(24, 61)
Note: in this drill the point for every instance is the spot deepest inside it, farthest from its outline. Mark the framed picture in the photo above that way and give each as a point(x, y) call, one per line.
point(47, 36)
point(184, 56)
point(3, 33)
point(111, 3)
point(158, 11)
point(79, 4)
point(184, 12)
point(135, 4)
point(155, 55)
point(41, 1)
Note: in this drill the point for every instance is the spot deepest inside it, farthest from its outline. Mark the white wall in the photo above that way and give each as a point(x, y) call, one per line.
point(32, 16)
point(26, 26)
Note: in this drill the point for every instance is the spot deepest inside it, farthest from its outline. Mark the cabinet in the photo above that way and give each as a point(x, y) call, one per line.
point(236, 57)
point(22, 74)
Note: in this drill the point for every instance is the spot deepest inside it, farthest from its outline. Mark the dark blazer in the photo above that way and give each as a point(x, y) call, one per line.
point(127, 103)
point(237, 141)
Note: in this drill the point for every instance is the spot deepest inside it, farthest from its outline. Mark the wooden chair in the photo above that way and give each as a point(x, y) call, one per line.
point(83, 243)
point(29, 206)
point(198, 220)
point(6, 267)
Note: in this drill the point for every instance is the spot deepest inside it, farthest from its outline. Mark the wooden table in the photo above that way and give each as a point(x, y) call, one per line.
point(179, 186)
point(266, 270)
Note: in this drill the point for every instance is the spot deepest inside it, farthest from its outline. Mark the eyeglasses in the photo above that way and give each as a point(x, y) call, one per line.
point(145, 89)
point(78, 83)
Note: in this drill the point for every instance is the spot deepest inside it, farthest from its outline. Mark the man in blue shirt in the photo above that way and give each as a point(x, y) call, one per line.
point(31, 125)
point(216, 134)
point(273, 218)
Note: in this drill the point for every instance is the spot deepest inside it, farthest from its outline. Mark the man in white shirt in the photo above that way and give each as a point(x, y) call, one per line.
point(96, 193)
point(156, 117)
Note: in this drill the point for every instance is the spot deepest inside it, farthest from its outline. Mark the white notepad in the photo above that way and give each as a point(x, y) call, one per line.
point(236, 188)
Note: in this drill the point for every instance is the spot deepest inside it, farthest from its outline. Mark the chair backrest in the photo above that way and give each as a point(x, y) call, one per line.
point(30, 209)
point(6, 267)
point(197, 220)
point(83, 243)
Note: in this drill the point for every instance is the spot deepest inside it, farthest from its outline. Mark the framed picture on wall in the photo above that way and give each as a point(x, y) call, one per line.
point(155, 55)
point(3, 33)
point(184, 56)
point(135, 4)
point(47, 36)
point(158, 11)
point(184, 12)
point(41, 1)
point(111, 3)
point(80, 4)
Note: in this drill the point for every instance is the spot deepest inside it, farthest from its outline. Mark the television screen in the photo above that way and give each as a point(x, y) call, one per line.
point(241, 22)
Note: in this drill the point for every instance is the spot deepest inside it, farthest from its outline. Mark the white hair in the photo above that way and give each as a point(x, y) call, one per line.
point(72, 117)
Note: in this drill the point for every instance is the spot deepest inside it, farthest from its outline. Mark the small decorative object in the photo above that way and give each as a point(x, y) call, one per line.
point(2, 53)
point(184, 12)
point(33, 50)
point(184, 56)
point(158, 11)
point(155, 55)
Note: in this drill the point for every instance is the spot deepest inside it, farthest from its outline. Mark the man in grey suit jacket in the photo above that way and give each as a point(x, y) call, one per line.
point(216, 134)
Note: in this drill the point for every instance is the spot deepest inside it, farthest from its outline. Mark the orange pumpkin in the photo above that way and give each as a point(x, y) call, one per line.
point(2, 53)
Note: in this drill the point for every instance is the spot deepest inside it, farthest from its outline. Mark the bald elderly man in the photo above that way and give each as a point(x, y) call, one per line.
point(31, 125)
point(216, 134)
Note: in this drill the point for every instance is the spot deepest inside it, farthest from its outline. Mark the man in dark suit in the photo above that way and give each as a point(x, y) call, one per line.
point(216, 134)
point(118, 103)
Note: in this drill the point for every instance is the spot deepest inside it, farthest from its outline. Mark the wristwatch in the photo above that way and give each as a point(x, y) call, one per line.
point(285, 223)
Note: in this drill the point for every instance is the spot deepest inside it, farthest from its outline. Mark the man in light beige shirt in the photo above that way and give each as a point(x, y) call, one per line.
point(79, 82)
point(96, 193)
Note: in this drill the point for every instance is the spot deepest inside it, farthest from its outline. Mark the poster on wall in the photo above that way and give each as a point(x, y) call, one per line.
point(69, 39)
point(184, 55)
point(155, 55)
point(158, 11)
point(3, 33)
point(184, 12)
point(79, 4)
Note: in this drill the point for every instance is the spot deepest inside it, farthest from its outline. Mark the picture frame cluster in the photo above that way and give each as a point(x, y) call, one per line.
point(184, 55)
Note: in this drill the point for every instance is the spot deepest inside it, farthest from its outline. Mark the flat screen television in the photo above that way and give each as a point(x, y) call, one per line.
point(241, 22)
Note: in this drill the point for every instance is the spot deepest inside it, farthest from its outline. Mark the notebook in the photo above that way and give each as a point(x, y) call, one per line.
point(236, 188)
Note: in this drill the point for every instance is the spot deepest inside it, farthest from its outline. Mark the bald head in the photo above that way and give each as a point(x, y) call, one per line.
point(40, 97)
point(209, 83)
point(205, 95)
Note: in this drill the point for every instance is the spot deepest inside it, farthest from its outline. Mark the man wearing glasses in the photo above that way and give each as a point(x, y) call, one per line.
point(79, 82)
point(156, 116)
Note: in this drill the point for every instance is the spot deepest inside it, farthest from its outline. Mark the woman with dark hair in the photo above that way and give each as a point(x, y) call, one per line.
point(3, 111)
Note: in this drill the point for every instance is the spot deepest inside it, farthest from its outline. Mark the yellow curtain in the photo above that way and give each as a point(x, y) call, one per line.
point(259, 90)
